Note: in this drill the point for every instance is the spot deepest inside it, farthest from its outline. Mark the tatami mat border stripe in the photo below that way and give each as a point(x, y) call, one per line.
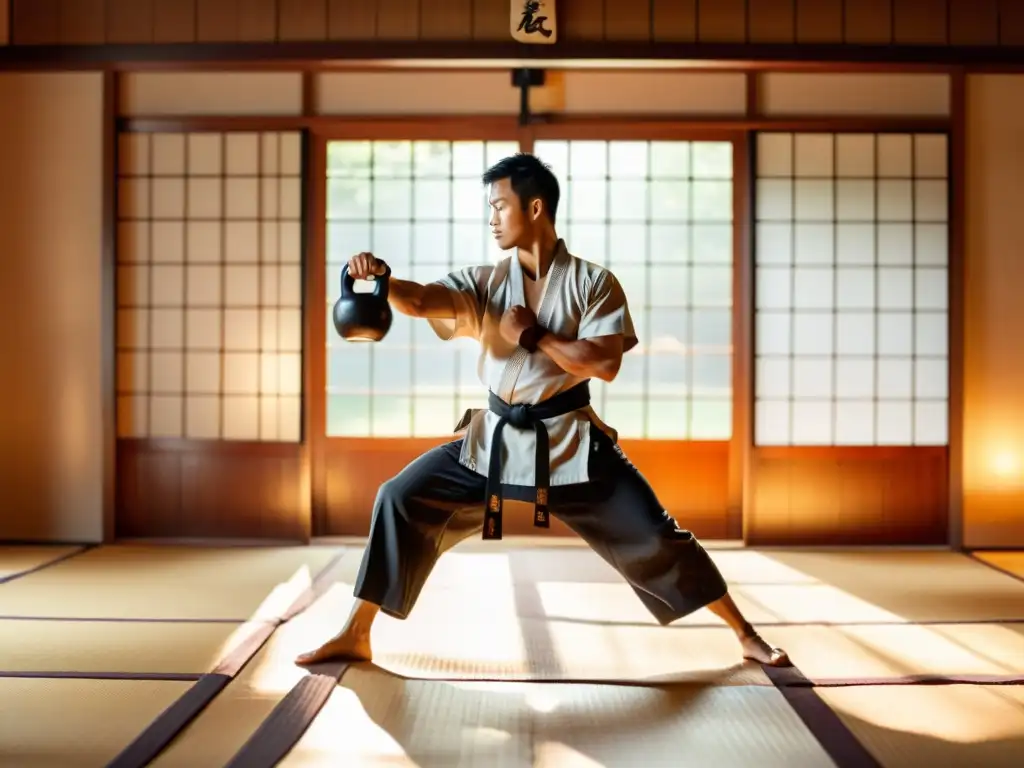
point(825, 725)
point(854, 682)
point(289, 720)
point(162, 731)
point(48, 564)
point(172, 721)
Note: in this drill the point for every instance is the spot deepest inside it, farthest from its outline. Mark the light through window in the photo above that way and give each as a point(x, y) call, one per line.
point(851, 291)
point(659, 215)
point(421, 207)
point(209, 283)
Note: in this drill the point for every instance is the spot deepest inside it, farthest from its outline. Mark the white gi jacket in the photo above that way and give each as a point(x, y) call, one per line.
point(581, 300)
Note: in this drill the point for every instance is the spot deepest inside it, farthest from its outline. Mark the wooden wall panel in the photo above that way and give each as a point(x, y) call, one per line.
point(629, 93)
point(1011, 22)
point(131, 21)
point(163, 94)
point(626, 21)
point(674, 20)
point(920, 22)
point(723, 21)
point(5, 27)
point(451, 20)
point(217, 21)
point(771, 21)
point(211, 489)
point(82, 22)
point(691, 480)
point(259, 22)
point(302, 19)
point(410, 94)
point(974, 22)
point(855, 94)
point(581, 19)
point(914, 22)
point(832, 496)
point(173, 21)
point(35, 21)
point(53, 430)
point(351, 19)
point(490, 20)
point(868, 21)
point(993, 369)
point(819, 21)
point(398, 19)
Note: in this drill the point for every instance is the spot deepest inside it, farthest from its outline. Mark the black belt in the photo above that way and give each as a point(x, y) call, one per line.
point(525, 416)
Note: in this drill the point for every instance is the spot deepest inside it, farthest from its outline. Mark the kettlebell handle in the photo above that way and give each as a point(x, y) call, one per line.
point(380, 283)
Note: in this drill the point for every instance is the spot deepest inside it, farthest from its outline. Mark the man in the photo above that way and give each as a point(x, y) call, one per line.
point(547, 323)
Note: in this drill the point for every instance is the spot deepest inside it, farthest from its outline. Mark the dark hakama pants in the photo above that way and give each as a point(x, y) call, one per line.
point(435, 502)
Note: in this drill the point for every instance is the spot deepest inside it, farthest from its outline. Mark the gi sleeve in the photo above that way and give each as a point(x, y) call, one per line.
point(468, 289)
point(607, 312)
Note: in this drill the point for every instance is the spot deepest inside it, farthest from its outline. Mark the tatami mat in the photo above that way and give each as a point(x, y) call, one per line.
point(17, 560)
point(166, 582)
point(236, 714)
point(888, 586)
point(376, 719)
point(482, 617)
point(546, 651)
point(458, 634)
point(231, 718)
point(72, 723)
point(574, 584)
point(1011, 562)
point(876, 651)
point(460, 682)
point(437, 647)
point(568, 584)
point(914, 726)
point(105, 646)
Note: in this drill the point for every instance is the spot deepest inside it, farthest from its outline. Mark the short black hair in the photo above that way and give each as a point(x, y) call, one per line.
point(530, 178)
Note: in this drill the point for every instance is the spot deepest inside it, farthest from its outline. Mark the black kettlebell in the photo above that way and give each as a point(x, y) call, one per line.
point(363, 316)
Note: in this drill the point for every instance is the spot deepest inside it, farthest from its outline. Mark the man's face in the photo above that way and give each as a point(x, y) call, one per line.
point(510, 224)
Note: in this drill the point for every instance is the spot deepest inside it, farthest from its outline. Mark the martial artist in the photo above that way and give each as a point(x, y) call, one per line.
point(547, 322)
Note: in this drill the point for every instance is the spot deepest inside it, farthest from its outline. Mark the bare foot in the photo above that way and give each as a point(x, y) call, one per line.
point(756, 649)
point(344, 647)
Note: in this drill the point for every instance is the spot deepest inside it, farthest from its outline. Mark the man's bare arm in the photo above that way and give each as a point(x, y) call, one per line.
point(415, 300)
point(597, 358)
point(409, 298)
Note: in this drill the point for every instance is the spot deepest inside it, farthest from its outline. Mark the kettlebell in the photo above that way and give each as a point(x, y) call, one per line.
point(363, 316)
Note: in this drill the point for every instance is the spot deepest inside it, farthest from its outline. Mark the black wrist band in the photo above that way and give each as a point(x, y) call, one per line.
point(529, 338)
